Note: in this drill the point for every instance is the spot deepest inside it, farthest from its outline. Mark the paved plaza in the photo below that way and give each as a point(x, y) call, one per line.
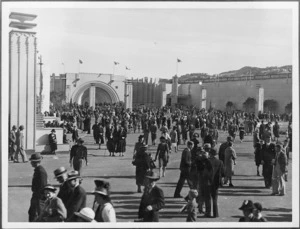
point(121, 174)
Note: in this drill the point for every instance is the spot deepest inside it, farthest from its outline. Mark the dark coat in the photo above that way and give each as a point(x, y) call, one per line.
point(268, 153)
point(222, 149)
point(65, 192)
point(52, 141)
point(142, 160)
point(186, 160)
point(218, 170)
point(76, 202)
point(156, 199)
point(39, 181)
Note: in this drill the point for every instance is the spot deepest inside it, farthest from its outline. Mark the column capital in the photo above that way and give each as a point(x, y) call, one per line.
point(93, 84)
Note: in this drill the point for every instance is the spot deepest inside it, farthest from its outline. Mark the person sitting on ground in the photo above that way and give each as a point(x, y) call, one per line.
point(247, 208)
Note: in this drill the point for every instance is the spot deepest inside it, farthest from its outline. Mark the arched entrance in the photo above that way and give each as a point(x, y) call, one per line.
point(95, 93)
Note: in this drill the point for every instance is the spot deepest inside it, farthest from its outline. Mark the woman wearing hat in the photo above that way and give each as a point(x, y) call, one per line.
point(142, 161)
point(138, 145)
point(105, 211)
point(54, 209)
point(229, 162)
point(152, 200)
point(53, 141)
point(77, 155)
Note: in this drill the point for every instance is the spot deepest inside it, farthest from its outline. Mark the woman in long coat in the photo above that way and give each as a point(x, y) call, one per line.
point(53, 141)
point(229, 162)
point(142, 163)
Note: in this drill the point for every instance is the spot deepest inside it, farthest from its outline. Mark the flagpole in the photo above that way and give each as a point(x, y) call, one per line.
point(176, 67)
point(114, 68)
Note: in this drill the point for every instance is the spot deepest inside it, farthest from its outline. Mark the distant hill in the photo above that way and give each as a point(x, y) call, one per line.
point(245, 71)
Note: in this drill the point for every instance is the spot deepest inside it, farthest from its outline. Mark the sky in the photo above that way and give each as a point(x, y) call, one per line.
point(149, 40)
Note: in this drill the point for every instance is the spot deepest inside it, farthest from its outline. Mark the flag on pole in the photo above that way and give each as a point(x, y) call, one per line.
point(178, 60)
point(116, 63)
point(127, 68)
point(80, 61)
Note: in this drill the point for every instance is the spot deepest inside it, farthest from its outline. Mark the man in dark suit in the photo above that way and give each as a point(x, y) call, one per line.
point(77, 199)
point(20, 145)
point(152, 200)
point(64, 189)
point(185, 169)
point(268, 154)
point(218, 170)
point(12, 143)
point(39, 181)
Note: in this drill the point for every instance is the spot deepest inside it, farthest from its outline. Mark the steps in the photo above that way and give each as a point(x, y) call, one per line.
point(39, 121)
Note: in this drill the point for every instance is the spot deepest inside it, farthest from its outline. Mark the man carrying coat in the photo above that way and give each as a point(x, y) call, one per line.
point(152, 200)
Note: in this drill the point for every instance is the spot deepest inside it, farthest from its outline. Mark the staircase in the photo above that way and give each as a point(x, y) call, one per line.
point(39, 121)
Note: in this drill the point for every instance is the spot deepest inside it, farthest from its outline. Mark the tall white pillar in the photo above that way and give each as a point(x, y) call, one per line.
point(128, 95)
point(203, 98)
point(92, 95)
point(259, 99)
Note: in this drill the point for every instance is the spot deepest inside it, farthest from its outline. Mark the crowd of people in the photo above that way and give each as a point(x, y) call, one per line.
point(205, 168)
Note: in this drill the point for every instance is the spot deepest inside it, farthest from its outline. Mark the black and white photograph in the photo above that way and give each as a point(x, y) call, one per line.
point(149, 114)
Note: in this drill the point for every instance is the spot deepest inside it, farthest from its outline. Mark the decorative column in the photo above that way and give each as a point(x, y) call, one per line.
point(68, 93)
point(128, 95)
point(203, 98)
point(163, 94)
point(174, 97)
point(92, 95)
point(259, 106)
point(22, 77)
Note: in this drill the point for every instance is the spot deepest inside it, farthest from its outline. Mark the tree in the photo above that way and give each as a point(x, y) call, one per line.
point(288, 108)
point(229, 105)
point(57, 98)
point(270, 105)
point(249, 104)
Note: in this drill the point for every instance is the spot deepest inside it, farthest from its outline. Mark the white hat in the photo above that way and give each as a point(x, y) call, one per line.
point(87, 214)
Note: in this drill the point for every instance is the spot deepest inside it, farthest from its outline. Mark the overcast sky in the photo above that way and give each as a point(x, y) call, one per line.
point(149, 41)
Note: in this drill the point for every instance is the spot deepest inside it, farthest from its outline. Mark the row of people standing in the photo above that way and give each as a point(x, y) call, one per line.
point(46, 206)
point(17, 145)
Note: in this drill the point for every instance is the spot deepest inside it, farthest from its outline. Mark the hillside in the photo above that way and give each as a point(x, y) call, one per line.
point(245, 71)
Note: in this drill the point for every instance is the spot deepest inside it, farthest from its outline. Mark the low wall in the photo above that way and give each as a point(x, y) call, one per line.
point(43, 139)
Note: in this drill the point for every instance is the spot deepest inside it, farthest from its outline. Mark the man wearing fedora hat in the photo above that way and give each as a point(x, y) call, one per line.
point(218, 171)
point(39, 181)
point(53, 141)
point(105, 211)
point(77, 155)
point(152, 200)
point(77, 199)
point(54, 209)
point(20, 145)
point(12, 143)
point(85, 215)
point(64, 189)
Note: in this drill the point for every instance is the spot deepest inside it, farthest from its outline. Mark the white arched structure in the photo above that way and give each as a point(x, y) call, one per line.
point(91, 86)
